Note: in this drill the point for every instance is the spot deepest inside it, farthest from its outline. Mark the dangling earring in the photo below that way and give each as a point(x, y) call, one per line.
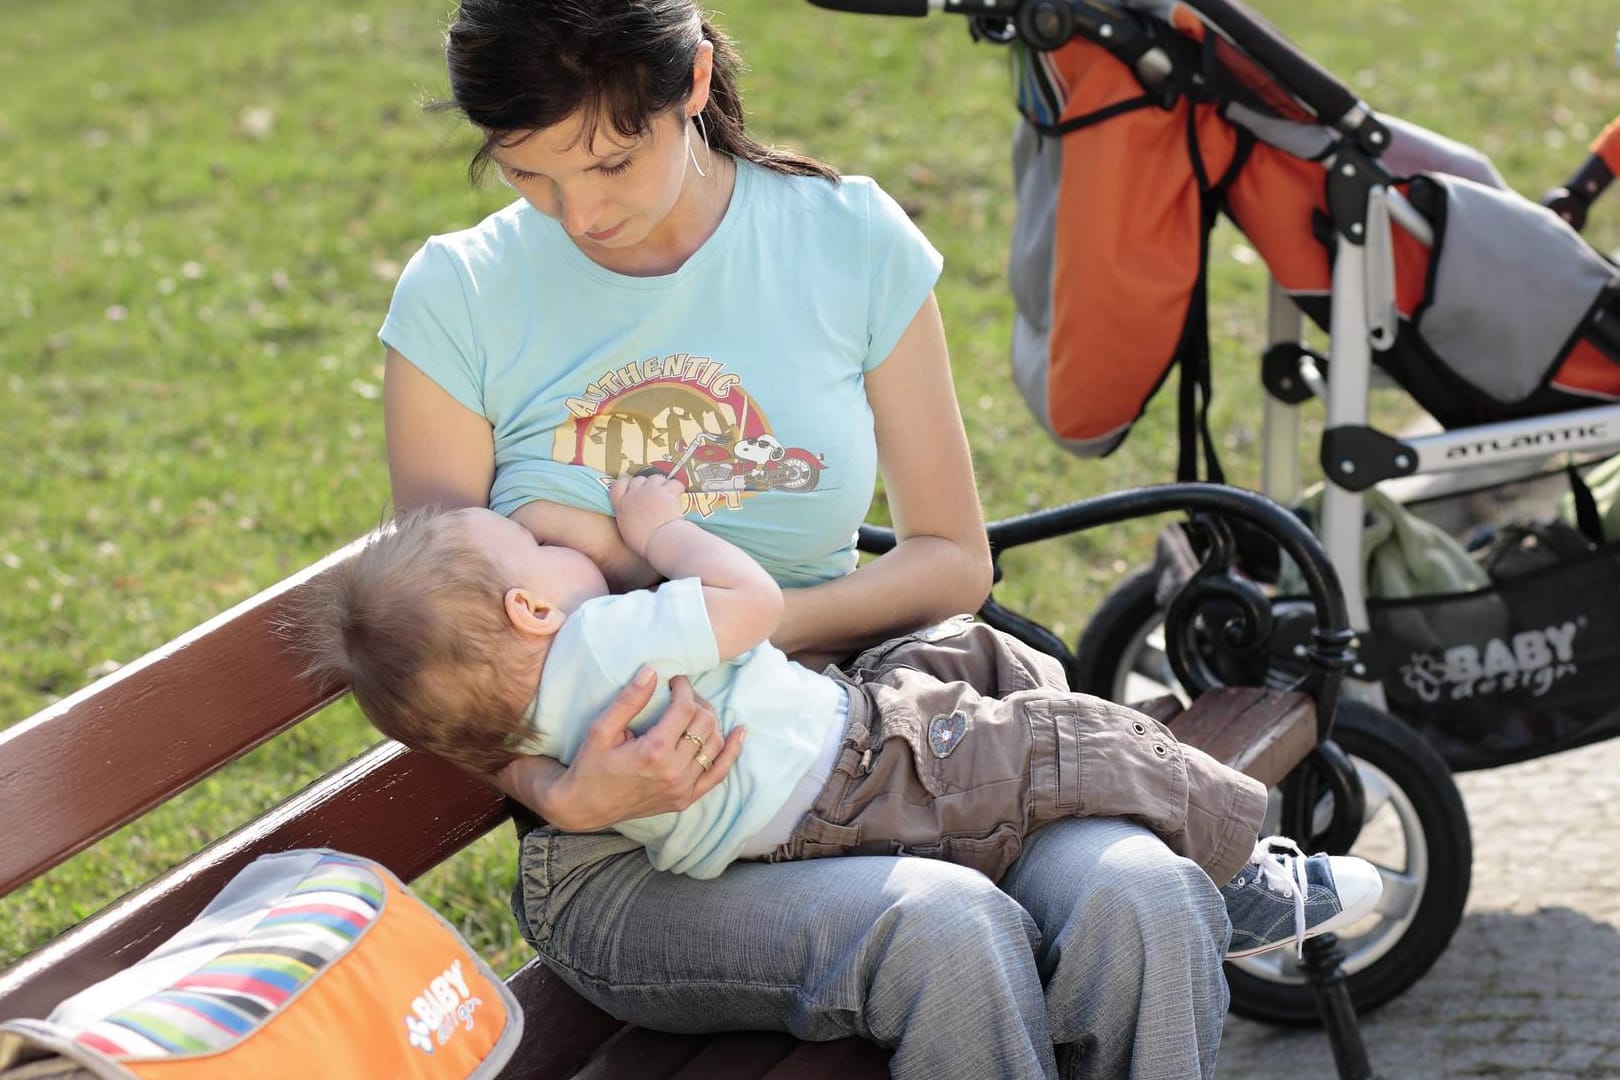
point(708, 150)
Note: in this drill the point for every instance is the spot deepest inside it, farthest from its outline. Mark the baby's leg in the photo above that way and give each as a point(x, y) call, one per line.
point(960, 650)
point(942, 771)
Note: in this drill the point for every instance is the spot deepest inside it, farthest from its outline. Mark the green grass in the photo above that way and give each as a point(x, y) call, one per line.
point(202, 212)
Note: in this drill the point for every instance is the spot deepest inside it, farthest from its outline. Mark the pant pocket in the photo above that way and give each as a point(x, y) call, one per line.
point(1098, 759)
point(553, 867)
point(817, 838)
point(898, 754)
point(991, 854)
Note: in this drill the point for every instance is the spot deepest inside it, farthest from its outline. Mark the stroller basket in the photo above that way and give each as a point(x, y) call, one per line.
point(1525, 668)
point(1523, 665)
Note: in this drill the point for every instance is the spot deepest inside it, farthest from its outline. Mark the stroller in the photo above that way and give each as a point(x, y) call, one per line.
point(1143, 120)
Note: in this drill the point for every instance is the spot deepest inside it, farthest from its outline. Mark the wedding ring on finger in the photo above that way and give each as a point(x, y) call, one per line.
point(694, 739)
point(704, 761)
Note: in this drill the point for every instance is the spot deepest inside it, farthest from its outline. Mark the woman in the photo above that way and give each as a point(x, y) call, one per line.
point(669, 294)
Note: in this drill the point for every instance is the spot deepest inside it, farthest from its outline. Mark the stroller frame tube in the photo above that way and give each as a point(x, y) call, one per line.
point(1334, 103)
point(1279, 462)
point(1348, 388)
point(1516, 440)
point(1350, 379)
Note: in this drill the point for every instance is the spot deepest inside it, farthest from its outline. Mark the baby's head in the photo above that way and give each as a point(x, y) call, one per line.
point(438, 626)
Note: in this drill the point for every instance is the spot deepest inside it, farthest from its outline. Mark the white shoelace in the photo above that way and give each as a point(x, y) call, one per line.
point(1285, 876)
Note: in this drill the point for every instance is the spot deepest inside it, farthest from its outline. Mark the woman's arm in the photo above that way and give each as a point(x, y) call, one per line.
point(941, 565)
point(597, 535)
point(440, 452)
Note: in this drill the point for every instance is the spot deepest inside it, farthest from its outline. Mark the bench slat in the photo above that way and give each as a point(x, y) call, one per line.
point(85, 766)
point(741, 1055)
point(745, 1053)
point(1263, 733)
point(846, 1059)
point(562, 1028)
point(645, 1054)
point(434, 810)
point(431, 810)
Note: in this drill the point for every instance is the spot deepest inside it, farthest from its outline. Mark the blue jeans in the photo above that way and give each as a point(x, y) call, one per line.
point(1098, 955)
point(1099, 942)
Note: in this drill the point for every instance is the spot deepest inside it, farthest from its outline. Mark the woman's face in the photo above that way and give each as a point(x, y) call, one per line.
point(609, 192)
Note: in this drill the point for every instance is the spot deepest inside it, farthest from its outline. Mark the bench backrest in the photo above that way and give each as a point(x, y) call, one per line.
point(101, 758)
point(95, 761)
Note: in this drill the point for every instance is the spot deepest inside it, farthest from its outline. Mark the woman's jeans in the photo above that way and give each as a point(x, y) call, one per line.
point(1099, 954)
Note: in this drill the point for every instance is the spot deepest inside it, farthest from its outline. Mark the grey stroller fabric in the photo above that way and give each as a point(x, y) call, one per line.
point(1414, 150)
point(1509, 283)
point(1037, 166)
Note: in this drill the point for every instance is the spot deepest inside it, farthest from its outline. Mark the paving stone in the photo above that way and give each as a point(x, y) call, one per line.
point(1579, 1056)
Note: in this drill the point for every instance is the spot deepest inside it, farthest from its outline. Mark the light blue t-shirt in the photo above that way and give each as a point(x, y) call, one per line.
point(743, 371)
point(789, 710)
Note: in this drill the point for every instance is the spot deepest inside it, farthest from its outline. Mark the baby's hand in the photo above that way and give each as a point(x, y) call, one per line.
point(641, 504)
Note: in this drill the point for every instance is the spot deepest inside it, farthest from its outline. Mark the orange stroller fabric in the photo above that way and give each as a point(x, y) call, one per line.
point(1126, 277)
point(1137, 193)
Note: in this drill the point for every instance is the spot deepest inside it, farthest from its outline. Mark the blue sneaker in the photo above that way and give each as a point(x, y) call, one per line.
point(1284, 896)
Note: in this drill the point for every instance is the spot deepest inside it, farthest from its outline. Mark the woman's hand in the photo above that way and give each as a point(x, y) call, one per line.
point(619, 775)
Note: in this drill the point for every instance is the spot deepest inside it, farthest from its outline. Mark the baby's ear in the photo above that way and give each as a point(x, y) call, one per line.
point(531, 616)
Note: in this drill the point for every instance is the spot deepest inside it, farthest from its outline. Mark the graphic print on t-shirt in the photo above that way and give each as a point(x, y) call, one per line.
point(687, 417)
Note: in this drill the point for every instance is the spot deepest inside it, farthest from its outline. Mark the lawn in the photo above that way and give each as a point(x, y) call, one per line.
point(204, 208)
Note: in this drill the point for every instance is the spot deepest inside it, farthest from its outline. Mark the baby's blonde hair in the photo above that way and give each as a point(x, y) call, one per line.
point(414, 623)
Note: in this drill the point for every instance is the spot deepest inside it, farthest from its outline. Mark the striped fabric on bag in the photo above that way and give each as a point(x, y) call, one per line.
point(225, 997)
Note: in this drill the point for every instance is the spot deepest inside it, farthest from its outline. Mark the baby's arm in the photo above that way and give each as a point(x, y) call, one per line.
point(743, 601)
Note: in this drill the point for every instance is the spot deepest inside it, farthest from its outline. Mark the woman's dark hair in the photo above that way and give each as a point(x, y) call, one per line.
point(517, 66)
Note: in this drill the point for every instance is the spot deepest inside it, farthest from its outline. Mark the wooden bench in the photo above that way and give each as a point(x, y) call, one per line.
point(89, 764)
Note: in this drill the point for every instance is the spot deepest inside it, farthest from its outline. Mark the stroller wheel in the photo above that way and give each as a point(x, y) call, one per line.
point(1416, 832)
point(1415, 828)
point(1120, 655)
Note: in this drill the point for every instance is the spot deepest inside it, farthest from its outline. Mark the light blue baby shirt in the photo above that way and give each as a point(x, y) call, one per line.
point(788, 710)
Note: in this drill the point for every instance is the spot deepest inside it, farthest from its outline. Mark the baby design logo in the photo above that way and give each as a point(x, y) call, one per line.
point(444, 1003)
point(1532, 661)
point(684, 416)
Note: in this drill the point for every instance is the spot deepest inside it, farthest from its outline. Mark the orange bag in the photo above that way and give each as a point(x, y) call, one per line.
point(309, 963)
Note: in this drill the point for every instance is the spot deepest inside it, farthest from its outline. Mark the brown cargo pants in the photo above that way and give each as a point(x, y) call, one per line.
point(962, 740)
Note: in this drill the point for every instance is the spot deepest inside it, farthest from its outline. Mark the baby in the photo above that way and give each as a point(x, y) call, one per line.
point(463, 637)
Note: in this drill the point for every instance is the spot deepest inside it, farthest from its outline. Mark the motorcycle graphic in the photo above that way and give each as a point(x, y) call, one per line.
point(707, 463)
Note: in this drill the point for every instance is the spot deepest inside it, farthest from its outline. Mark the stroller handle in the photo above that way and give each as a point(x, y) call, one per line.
point(920, 7)
point(1333, 103)
point(876, 7)
point(1331, 100)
